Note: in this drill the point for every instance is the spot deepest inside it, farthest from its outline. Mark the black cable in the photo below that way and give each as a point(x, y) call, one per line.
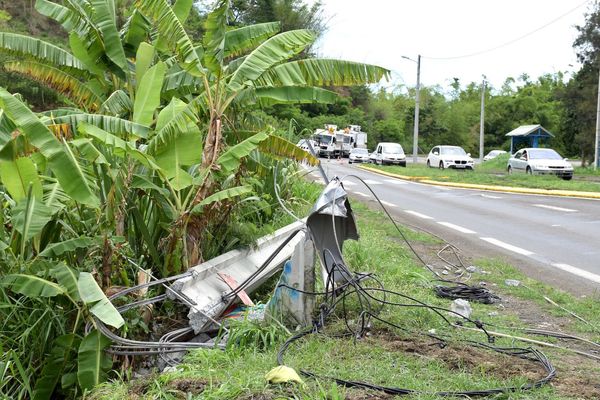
point(473, 293)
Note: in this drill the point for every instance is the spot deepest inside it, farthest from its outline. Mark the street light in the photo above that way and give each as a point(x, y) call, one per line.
point(417, 95)
point(596, 155)
point(481, 121)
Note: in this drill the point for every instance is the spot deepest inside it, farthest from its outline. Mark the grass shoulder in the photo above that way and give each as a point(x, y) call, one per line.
point(404, 357)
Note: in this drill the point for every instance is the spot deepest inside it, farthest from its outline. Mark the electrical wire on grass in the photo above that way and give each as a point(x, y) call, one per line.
point(369, 307)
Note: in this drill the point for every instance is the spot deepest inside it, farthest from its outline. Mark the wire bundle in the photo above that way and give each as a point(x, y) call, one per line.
point(463, 291)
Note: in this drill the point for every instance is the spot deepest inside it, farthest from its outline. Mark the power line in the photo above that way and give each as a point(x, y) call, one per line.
point(513, 40)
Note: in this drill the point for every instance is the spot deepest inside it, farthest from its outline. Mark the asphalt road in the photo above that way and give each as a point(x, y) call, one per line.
point(554, 239)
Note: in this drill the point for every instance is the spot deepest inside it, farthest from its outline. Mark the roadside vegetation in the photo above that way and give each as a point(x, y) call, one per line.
point(493, 172)
point(401, 358)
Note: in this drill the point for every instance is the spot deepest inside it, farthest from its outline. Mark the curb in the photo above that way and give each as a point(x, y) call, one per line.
point(491, 188)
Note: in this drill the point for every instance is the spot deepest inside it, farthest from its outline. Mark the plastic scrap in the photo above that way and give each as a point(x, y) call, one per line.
point(461, 307)
point(512, 282)
point(283, 374)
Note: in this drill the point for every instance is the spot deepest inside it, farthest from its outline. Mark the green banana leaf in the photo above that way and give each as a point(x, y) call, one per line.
point(94, 297)
point(22, 45)
point(214, 37)
point(54, 366)
point(67, 278)
point(147, 99)
point(272, 52)
point(18, 176)
point(117, 104)
point(295, 95)
point(62, 165)
point(230, 160)
point(241, 40)
point(31, 285)
point(321, 72)
point(171, 29)
point(69, 245)
point(225, 194)
point(105, 20)
point(93, 365)
point(143, 60)
point(30, 216)
point(114, 125)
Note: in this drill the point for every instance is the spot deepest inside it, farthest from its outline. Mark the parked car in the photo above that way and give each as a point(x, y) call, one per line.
point(449, 157)
point(540, 161)
point(388, 153)
point(493, 154)
point(358, 155)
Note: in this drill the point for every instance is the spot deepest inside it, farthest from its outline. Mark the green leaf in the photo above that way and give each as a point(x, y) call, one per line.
point(18, 176)
point(114, 125)
point(117, 104)
point(66, 171)
point(67, 18)
point(93, 364)
point(180, 179)
point(230, 160)
point(54, 366)
point(143, 60)
point(294, 94)
point(284, 149)
point(105, 20)
point(238, 41)
point(214, 37)
point(119, 147)
point(135, 30)
point(171, 29)
point(181, 9)
point(88, 58)
point(185, 151)
point(225, 194)
point(147, 98)
point(89, 291)
point(69, 245)
point(31, 285)
point(30, 216)
point(322, 72)
point(23, 45)
point(107, 313)
point(67, 278)
point(273, 51)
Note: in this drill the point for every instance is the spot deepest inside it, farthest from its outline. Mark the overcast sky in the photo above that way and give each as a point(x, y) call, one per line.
point(381, 31)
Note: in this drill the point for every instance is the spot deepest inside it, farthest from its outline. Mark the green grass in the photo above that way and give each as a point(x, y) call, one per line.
point(493, 172)
point(238, 372)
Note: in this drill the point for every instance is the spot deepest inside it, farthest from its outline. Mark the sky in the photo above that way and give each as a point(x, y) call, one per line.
point(382, 31)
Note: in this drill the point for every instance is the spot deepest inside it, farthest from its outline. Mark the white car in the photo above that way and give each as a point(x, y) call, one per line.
point(358, 156)
point(540, 161)
point(388, 153)
point(493, 154)
point(449, 157)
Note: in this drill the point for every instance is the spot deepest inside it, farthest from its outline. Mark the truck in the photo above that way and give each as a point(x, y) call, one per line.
point(338, 143)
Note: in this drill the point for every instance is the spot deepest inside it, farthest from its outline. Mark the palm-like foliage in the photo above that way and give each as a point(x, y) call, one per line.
point(151, 162)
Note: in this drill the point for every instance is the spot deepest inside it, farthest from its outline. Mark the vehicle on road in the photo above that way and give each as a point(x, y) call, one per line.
point(332, 142)
point(540, 162)
point(303, 144)
point(388, 153)
point(358, 156)
point(449, 157)
point(493, 154)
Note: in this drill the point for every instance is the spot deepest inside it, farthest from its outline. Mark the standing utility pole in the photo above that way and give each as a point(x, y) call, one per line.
point(417, 98)
point(596, 155)
point(481, 123)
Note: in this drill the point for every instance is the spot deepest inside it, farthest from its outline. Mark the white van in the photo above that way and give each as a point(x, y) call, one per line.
point(388, 153)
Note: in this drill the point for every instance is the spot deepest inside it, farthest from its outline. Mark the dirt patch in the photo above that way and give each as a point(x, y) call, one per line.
point(353, 394)
point(188, 385)
point(460, 357)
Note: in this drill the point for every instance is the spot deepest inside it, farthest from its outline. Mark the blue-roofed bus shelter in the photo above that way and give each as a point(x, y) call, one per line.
point(533, 134)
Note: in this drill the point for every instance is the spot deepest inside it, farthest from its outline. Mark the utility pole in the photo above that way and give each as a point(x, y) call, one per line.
point(596, 155)
point(481, 122)
point(417, 99)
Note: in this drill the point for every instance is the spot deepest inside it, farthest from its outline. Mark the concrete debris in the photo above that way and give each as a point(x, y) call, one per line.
point(473, 269)
point(444, 272)
point(512, 282)
point(493, 313)
point(432, 331)
point(461, 307)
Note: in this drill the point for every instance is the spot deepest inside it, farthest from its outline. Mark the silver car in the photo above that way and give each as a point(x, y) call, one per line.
point(540, 161)
point(358, 156)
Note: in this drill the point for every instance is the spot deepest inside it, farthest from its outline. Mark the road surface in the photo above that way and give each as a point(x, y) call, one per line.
point(553, 239)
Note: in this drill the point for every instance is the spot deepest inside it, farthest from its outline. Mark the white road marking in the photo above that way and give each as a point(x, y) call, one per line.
point(388, 204)
point(395, 181)
point(578, 271)
point(456, 227)
point(555, 226)
point(554, 208)
point(372, 182)
point(349, 183)
point(417, 214)
point(507, 246)
point(489, 196)
point(362, 194)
